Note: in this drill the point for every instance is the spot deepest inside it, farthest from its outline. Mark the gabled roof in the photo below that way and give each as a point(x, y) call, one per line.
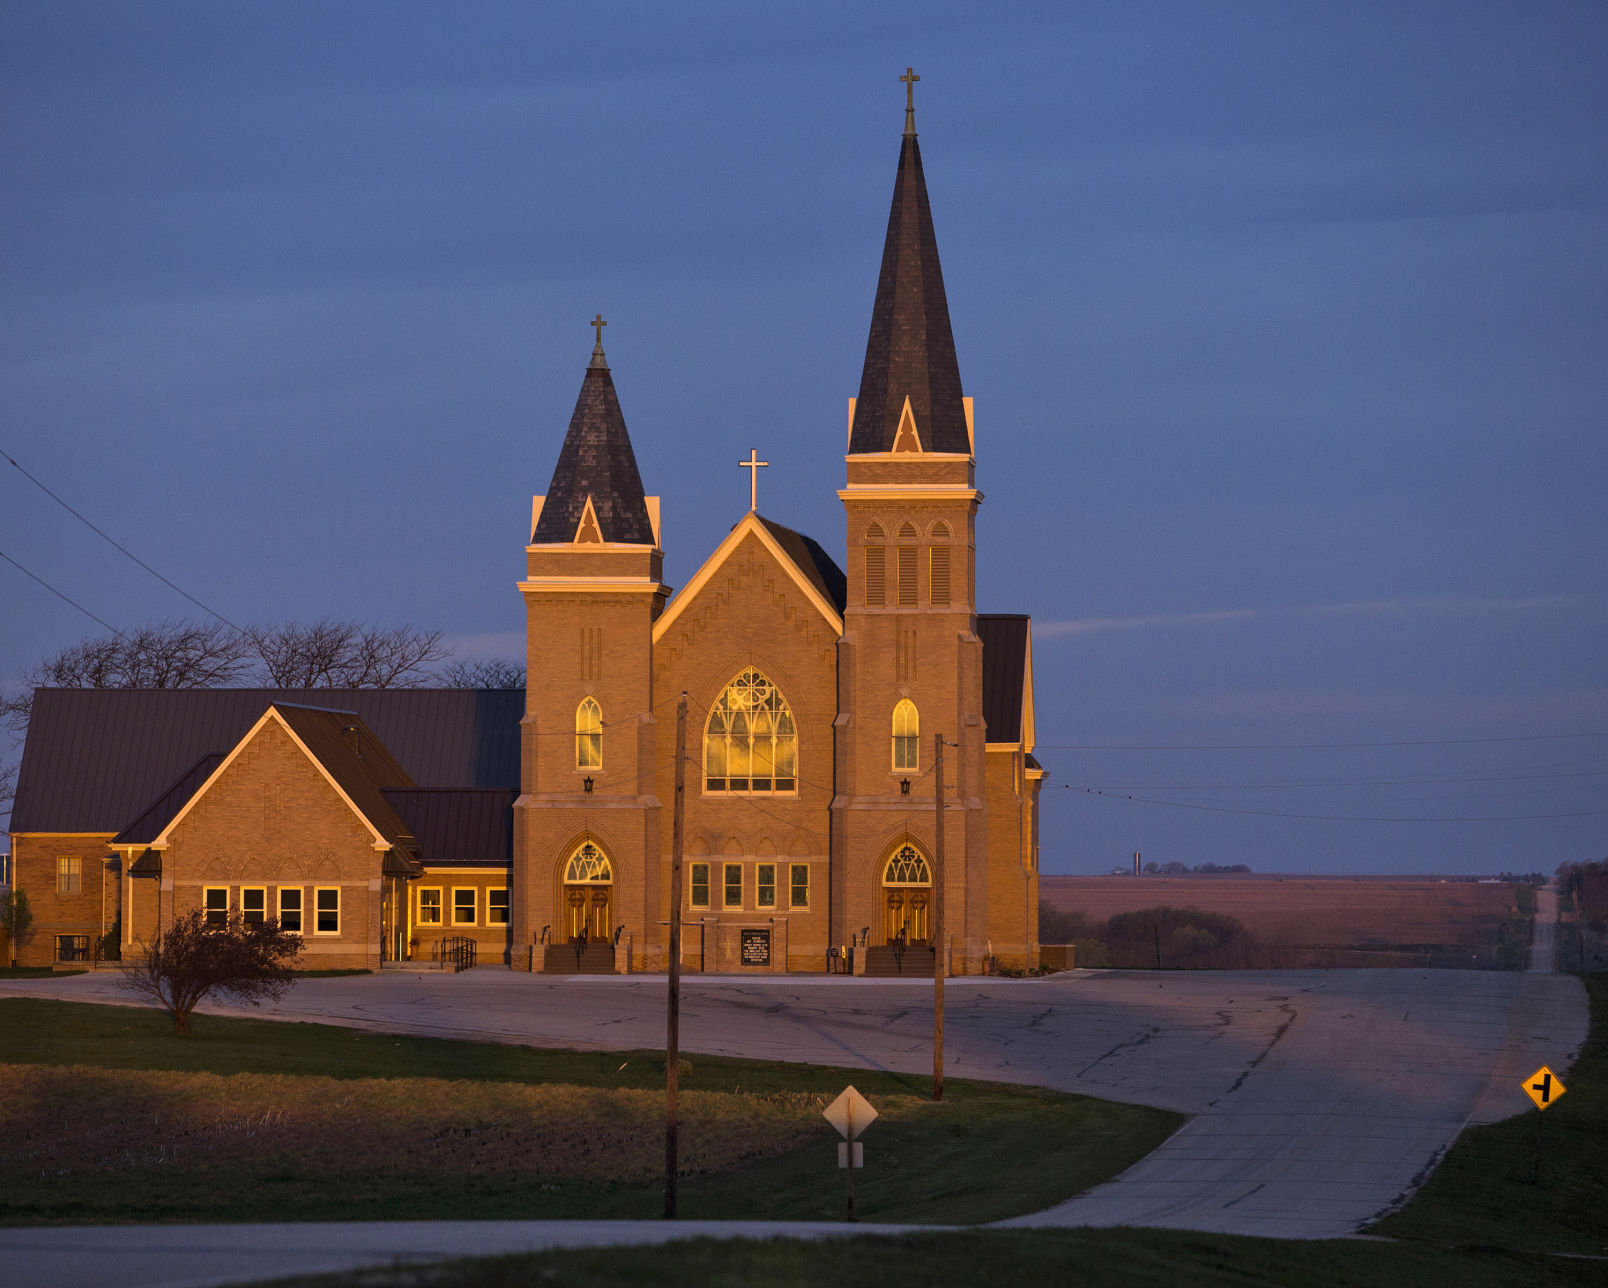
point(801, 557)
point(910, 354)
point(97, 760)
point(596, 462)
point(1007, 676)
point(348, 755)
point(463, 826)
point(812, 560)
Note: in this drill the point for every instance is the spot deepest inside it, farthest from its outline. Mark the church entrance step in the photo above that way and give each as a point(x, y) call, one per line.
point(595, 957)
point(886, 962)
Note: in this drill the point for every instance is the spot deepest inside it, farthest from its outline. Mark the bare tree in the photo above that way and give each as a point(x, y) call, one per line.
point(162, 655)
point(191, 960)
point(345, 655)
point(15, 918)
point(489, 673)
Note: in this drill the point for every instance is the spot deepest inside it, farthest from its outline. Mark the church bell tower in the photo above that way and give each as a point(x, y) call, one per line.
point(586, 824)
point(910, 660)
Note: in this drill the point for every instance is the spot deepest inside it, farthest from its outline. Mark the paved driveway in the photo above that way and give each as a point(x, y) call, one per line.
point(1319, 1097)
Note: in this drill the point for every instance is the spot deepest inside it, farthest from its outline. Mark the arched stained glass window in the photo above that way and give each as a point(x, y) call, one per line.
point(589, 735)
point(906, 735)
point(750, 742)
point(908, 867)
point(588, 866)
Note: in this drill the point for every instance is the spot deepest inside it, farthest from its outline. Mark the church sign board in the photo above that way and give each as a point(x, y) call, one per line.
point(756, 948)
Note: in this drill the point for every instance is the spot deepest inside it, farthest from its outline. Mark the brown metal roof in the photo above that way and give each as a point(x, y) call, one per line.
point(596, 461)
point(97, 760)
point(1004, 637)
point(911, 349)
point(469, 826)
point(818, 567)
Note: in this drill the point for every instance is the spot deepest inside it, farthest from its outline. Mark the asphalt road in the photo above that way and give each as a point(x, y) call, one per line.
point(1319, 1098)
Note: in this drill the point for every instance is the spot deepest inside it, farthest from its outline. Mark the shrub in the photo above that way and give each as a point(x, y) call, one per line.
point(191, 960)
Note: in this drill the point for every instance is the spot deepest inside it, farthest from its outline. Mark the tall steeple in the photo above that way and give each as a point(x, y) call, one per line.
point(910, 355)
point(596, 493)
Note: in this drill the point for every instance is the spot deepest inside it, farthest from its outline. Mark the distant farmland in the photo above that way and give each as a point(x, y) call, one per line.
point(1324, 921)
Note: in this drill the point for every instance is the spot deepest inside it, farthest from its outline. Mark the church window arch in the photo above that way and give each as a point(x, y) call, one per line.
point(906, 735)
point(875, 533)
point(907, 531)
point(588, 865)
point(876, 567)
point(589, 735)
point(750, 739)
point(938, 566)
point(907, 866)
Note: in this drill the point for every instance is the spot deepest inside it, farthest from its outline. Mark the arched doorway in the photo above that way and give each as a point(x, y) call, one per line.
point(907, 898)
point(588, 895)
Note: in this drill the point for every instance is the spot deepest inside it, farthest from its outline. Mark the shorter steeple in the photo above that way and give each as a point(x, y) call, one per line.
point(911, 379)
point(596, 493)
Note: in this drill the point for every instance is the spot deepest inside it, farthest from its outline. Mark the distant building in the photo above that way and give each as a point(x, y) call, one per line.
point(540, 824)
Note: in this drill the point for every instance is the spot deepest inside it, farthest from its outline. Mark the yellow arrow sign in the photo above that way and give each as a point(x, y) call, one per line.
point(1543, 1087)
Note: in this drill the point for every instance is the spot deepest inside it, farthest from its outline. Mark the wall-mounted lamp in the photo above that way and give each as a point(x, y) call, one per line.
point(904, 787)
point(586, 784)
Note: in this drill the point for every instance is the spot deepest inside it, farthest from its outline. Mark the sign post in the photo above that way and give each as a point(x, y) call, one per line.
point(672, 1037)
point(1544, 1088)
point(851, 1113)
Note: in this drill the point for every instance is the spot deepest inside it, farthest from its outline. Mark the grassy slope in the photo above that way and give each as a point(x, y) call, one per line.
point(988, 1151)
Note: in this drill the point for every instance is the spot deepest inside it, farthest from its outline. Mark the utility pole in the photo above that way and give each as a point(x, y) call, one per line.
point(938, 963)
point(672, 1042)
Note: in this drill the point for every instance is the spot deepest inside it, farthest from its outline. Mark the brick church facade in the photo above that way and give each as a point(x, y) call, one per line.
point(539, 825)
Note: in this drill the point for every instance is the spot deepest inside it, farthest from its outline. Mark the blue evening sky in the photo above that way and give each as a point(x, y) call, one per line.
point(1287, 325)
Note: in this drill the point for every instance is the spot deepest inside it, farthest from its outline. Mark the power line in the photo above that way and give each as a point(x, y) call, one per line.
point(113, 541)
point(1305, 746)
point(1330, 818)
point(60, 596)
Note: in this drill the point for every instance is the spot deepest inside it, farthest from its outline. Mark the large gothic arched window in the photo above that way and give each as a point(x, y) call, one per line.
point(589, 735)
point(750, 742)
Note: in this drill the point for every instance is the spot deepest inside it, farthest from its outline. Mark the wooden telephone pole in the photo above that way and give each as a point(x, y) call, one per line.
point(938, 963)
point(672, 1041)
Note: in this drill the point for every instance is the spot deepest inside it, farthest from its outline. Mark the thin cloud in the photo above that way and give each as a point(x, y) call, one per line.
point(1358, 608)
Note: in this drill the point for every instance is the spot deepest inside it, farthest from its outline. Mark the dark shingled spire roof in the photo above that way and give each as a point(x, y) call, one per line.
point(911, 352)
point(597, 461)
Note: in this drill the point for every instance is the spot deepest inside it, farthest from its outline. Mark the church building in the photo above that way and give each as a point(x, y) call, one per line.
point(818, 697)
point(536, 828)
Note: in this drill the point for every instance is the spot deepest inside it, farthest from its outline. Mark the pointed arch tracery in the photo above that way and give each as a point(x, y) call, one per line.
point(907, 866)
point(588, 865)
point(906, 735)
point(750, 739)
point(589, 735)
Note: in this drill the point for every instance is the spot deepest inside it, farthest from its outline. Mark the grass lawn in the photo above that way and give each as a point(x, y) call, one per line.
point(36, 972)
point(1087, 1258)
point(258, 1120)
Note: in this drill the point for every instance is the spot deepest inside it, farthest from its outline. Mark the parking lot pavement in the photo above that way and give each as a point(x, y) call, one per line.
point(1318, 1096)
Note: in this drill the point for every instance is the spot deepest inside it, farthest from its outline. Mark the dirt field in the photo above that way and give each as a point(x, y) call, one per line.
point(1318, 921)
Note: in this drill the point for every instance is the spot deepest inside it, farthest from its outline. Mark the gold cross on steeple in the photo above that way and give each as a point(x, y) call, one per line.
point(597, 325)
point(753, 465)
point(910, 78)
point(599, 362)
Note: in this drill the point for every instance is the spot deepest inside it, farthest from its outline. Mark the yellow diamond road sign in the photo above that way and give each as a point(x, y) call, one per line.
point(1543, 1087)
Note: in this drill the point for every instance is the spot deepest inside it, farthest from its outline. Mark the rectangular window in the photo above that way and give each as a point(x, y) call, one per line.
point(765, 885)
point(907, 574)
point(430, 906)
point(496, 907)
point(800, 892)
point(72, 948)
point(69, 874)
point(327, 910)
point(876, 576)
point(463, 905)
point(254, 905)
point(290, 908)
point(698, 895)
point(940, 575)
point(215, 899)
point(734, 885)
